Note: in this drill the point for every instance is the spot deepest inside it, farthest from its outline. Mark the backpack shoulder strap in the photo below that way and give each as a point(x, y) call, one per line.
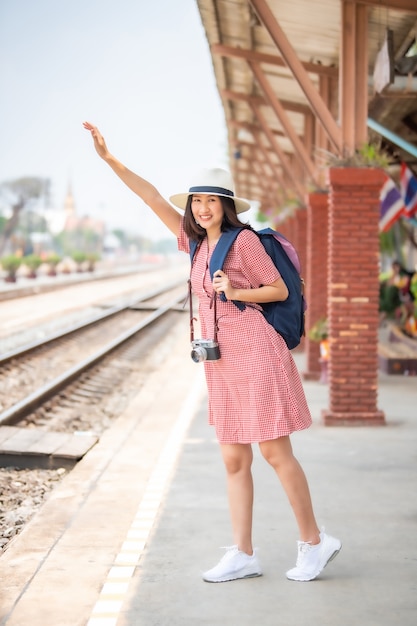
point(193, 248)
point(219, 256)
point(222, 249)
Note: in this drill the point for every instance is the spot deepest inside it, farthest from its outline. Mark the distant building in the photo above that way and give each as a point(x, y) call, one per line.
point(73, 222)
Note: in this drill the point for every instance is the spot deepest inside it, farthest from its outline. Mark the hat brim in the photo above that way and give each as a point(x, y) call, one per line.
point(180, 201)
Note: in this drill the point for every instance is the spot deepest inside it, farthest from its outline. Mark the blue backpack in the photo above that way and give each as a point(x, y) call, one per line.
point(287, 316)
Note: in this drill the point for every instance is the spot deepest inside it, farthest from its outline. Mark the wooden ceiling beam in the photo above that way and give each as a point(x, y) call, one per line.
point(279, 152)
point(266, 150)
point(252, 128)
point(245, 187)
point(278, 36)
point(274, 102)
point(289, 105)
point(322, 141)
point(267, 183)
point(259, 145)
point(270, 59)
point(277, 173)
point(353, 82)
point(409, 6)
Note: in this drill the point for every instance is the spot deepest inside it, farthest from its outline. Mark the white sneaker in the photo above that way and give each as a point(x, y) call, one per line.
point(234, 564)
point(312, 560)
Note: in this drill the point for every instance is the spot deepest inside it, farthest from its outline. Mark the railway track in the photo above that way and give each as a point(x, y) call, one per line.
point(72, 386)
point(64, 383)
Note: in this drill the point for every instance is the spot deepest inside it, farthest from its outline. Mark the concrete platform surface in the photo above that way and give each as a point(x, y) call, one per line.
point(124, 539)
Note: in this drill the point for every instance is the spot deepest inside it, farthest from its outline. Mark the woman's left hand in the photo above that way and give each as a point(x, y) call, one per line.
point(221, 284)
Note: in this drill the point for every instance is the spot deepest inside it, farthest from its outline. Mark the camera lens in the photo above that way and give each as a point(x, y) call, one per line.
point(198, 354)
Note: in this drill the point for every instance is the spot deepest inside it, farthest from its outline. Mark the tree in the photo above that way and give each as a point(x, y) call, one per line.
point(19, 194)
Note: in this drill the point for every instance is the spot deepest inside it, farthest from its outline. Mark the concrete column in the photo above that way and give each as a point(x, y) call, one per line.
point(353, 291)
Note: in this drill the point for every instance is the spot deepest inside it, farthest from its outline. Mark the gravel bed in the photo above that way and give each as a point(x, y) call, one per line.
point(22, 492)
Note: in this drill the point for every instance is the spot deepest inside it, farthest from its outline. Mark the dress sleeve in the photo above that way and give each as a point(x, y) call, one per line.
point(182, 239)
point(255, 262)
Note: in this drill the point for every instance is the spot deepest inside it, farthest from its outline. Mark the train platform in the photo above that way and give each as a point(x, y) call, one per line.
point(43, 283)
point(123, 540)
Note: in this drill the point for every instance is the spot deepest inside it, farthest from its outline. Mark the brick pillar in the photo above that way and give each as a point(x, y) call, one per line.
point(353, 290)
point(315, 274)
point(301, 241)
point(300, 244)
point(295, 235)
point(289, 229)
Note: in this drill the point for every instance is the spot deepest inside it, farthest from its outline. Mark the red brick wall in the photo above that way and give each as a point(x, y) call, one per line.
point(353, 289)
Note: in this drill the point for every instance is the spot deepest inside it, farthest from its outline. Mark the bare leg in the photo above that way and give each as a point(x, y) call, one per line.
point(279, 455)
point(238, 461)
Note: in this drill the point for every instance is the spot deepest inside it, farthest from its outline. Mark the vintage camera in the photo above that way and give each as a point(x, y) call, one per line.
point(205, 350)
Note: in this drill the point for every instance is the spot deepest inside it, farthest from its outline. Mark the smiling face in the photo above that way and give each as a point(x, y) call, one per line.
point(207, 211)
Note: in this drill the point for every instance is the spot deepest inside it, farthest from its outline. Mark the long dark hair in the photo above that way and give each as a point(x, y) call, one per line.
point(230, 219)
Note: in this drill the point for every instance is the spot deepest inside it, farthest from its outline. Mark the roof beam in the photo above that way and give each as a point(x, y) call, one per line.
point(246, 180)
point(322, 141)
point(279, 152)
point(274, 102)
point(270, 59)
point(280, 39)
point(252, 128)
point(268, 159)
point(289, 105)
point(353, 82)
point(409, 6)
point(267, 183)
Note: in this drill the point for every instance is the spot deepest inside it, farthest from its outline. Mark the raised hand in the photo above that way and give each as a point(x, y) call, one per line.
point(99, 143)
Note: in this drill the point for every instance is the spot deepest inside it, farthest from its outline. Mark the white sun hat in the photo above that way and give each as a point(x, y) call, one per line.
point(213, 182)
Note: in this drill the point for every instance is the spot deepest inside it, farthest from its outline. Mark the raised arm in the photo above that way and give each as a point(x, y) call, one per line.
point(141, 187)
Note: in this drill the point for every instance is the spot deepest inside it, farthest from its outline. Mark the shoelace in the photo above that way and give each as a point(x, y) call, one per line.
point(303, 548)
point(230, 550)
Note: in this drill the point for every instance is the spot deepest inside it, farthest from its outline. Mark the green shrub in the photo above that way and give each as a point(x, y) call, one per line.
point(33, 261)
point(11, 263)
point(53, 259)
point(79, 257)
point(319, 330)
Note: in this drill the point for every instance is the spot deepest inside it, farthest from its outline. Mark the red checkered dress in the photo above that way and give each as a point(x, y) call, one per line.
point(255, 391)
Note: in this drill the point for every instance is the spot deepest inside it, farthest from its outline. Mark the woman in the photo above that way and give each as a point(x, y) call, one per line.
point(254, 389)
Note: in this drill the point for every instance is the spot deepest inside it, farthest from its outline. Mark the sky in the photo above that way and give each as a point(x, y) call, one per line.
point(141, 71)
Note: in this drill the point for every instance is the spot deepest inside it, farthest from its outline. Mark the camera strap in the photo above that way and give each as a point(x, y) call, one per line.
point(213, 305)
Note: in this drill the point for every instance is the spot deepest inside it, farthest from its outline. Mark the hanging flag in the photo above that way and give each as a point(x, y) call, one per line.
point(408, 184)
point(392, 205)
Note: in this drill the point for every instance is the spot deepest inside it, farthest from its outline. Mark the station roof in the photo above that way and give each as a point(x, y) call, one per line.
point(277, 151)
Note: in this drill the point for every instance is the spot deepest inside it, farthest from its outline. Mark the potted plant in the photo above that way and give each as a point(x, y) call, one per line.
point(91, 258)
point(32, 261)
point(368, 155)
point(10, 264)
point(319, 331)
point(52, 260)
point(79, 257)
